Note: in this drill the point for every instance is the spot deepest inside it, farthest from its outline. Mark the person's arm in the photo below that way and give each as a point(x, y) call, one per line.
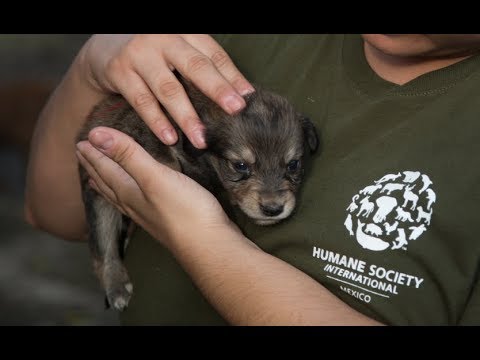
point(246, 285)
point(141, 69)
point(52, 195)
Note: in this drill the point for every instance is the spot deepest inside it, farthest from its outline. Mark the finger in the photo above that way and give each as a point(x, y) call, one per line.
point(111, 178)
point(95, 187)
point(98, 189)
point(200, 70)
point(222, 61)
point(172, 95)
point(101, 187)
point(126, 160)
point(138, 94)
point(97, 184)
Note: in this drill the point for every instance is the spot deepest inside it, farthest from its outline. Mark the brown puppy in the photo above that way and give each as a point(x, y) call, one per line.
point(256, 157)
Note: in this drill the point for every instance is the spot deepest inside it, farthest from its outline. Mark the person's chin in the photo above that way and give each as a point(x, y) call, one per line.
point(399, 44)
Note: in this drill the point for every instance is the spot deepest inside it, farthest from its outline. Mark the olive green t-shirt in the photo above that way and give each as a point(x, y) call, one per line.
point(388, 214)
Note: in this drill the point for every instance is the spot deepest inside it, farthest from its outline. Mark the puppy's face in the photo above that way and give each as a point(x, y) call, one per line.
point(259, 156)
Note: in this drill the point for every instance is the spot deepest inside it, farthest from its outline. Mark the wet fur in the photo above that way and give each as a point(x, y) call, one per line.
point(266, 135)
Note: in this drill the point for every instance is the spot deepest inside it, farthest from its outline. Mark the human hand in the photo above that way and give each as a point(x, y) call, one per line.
point(166, 203)
point(140, 67)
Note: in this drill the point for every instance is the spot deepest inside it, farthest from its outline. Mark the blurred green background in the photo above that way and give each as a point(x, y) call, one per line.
point(43, 280)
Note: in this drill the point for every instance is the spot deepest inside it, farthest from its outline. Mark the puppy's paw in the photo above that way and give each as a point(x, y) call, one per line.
point(118, 287)
point(118, 295)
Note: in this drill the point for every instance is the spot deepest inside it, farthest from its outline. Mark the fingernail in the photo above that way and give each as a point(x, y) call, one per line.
point(93, 185)
point(234, 103)
point(81, 145)
point(169, 136)
point(199, 138)
point(101, 140)
point(248, 89)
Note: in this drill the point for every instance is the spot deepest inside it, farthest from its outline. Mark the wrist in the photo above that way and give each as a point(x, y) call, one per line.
point(208, 237)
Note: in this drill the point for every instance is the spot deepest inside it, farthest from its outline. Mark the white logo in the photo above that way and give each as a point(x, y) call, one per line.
point(396, 209)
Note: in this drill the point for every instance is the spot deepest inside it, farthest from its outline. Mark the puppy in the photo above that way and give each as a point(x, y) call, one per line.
point(256, 157)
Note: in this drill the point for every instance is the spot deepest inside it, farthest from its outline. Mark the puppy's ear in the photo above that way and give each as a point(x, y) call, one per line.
point(310, 134)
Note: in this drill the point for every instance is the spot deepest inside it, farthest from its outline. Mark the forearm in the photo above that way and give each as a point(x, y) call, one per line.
point(53, 198)
point(250, 287)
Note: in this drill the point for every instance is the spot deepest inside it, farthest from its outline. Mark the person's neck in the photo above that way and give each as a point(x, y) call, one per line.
point(400, 70)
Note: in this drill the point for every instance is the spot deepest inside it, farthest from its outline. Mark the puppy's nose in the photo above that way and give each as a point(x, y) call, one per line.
point(271, 210)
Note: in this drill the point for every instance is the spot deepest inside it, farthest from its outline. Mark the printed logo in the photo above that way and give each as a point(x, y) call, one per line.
point(393, 211)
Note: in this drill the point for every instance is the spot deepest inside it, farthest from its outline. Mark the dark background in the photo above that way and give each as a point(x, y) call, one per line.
point(43, 280)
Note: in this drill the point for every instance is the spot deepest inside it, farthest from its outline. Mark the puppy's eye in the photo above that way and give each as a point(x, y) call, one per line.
point(293, 166)
point(241, 167)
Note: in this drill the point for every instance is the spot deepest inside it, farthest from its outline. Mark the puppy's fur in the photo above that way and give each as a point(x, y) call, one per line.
point(256, 157)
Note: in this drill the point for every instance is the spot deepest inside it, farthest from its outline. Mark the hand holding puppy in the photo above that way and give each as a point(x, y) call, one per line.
point(153, 195)
point(141, 68)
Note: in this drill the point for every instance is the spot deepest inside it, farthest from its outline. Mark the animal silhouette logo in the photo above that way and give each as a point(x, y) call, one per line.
point(392, 212)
